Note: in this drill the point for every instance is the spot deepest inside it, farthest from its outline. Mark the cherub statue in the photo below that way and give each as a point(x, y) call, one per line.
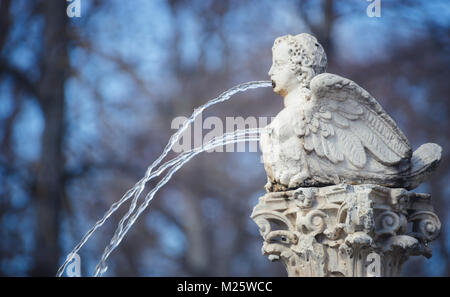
point(331, 130)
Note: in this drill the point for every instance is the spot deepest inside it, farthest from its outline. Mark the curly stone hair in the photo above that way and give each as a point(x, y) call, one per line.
point(307, 56)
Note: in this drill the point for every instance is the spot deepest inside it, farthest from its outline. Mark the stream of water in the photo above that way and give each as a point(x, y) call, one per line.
point(175, 164)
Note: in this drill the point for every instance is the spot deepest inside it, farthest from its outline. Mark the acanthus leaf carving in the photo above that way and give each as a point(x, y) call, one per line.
point(331, 230)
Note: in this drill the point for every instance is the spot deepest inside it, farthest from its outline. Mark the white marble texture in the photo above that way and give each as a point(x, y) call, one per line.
point(344, 230)
point(331, 130)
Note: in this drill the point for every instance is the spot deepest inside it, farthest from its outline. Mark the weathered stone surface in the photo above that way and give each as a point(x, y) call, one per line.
point(345, 230)
point(331, 130)
point(339, 170)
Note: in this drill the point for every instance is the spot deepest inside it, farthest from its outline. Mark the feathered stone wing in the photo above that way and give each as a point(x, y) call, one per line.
point(341, 120)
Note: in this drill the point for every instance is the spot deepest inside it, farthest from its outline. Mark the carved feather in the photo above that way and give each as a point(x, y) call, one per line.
point(376, 145)
point(308, 145)
point(350, 121)
point(351, 147)
point(331, 151)
point(378, 126)
point(339, 120)
point(317, 141)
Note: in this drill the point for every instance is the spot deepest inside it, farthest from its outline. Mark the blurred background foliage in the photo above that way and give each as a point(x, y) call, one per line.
point(86, 105)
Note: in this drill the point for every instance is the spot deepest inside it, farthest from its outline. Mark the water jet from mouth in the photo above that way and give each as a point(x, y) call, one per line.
point(173, 165)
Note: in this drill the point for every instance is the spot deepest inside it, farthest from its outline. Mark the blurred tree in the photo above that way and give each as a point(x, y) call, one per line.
point(49, 187)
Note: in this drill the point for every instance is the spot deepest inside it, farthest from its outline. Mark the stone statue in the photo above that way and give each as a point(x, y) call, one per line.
point(339, 174)
point(331, 130)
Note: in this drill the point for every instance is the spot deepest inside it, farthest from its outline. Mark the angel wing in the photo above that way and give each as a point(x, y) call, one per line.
point(342, 120)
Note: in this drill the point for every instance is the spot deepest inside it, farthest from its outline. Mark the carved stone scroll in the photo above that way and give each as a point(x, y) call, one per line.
point(345, 230)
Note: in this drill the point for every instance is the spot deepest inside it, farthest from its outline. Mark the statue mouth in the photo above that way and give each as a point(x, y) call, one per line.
point(273, 84)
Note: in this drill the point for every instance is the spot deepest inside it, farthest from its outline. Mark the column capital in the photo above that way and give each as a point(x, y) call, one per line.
point(345, 230)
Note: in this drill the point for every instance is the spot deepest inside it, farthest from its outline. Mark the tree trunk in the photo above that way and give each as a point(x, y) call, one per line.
point(49, 180)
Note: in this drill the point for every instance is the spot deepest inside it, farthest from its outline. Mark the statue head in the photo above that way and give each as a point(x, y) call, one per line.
point(296, 60)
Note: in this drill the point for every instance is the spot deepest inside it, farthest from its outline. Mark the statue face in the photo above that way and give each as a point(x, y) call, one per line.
point(281, 74)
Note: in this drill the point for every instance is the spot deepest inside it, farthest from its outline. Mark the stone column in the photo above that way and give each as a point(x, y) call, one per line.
point(345, 230)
